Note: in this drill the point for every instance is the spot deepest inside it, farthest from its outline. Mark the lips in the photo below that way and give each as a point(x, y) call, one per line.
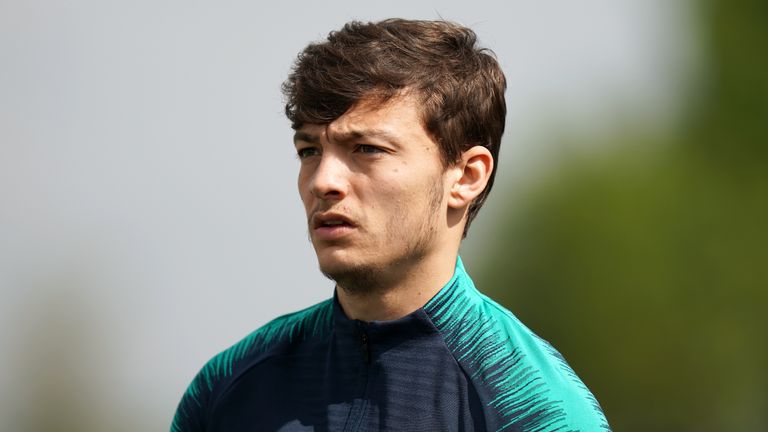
point(331, 226)
point(321, 220)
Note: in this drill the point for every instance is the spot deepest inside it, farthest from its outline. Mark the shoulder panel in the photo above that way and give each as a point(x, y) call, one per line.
point(310, 322)
point(523, 381)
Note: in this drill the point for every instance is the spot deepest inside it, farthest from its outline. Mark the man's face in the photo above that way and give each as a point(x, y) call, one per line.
point(373, 188)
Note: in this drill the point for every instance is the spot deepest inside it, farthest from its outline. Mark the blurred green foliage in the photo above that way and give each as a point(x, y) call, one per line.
point(647, 266)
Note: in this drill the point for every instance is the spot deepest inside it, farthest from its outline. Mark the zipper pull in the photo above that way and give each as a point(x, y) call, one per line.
point(366, 349)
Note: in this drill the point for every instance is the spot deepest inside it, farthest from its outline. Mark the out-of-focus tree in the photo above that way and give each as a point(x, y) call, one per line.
point(647, 266)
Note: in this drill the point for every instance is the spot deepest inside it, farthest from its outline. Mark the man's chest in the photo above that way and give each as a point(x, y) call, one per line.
point(341, 387)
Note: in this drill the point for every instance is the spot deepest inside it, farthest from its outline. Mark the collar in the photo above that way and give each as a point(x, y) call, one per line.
point(414, 325)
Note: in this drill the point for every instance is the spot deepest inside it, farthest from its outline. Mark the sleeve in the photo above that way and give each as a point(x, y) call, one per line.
point(191, 413)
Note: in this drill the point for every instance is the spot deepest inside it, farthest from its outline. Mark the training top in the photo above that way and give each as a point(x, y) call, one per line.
point(460, 363)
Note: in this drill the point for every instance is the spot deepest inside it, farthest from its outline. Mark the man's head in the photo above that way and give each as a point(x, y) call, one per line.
point(460, 86)
point(398, 126)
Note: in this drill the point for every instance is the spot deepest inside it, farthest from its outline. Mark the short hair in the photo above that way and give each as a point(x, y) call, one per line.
point(461, 85)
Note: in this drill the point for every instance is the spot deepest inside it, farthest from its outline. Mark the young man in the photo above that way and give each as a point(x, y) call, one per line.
point(397, 127)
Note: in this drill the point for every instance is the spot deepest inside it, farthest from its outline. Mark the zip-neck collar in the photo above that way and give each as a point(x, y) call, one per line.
point(383, 334)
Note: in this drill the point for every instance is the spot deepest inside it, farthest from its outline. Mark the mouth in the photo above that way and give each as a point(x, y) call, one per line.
point(322, 220)
point(331, 226)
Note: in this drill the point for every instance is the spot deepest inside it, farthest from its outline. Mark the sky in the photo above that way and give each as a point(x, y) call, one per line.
point(149, 216)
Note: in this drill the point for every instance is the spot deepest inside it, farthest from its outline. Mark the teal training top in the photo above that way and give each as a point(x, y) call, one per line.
point(460, 363)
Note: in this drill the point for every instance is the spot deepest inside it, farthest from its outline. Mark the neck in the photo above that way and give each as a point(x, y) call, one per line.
point(411, 290)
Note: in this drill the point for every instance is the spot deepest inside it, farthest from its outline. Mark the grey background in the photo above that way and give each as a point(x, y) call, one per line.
point(148, 208)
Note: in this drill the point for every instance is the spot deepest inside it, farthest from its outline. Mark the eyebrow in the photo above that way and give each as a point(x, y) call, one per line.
point(303, 136)
point(348, 136)
point(367, 133)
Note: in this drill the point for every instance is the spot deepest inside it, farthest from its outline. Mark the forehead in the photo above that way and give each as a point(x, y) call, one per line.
point(397, 119)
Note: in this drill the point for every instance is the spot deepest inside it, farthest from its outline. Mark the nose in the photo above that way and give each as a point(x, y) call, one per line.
point(329, 180)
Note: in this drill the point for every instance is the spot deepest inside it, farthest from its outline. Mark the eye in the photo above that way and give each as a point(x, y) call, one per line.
point(369, 149)
point(306, 152)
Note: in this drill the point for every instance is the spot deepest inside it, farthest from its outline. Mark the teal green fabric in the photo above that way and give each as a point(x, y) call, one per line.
point(525, 380)
point(312, 321)
point(462, 362)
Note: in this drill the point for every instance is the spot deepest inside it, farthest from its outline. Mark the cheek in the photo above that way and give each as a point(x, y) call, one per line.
point(303, 189)
point(399, 199)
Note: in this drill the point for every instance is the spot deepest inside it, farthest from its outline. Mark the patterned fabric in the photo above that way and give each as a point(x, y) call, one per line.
point(460, 363)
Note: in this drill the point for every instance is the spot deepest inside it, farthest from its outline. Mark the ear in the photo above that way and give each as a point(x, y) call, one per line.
point(471, 177)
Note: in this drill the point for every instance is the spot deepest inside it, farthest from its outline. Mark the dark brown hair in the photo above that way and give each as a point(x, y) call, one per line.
point(461, 85)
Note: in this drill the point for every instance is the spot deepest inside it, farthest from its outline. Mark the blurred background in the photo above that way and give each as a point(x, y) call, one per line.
point(149, 215)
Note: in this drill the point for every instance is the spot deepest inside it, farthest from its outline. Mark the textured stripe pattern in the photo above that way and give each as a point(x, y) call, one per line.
point(524, 381)
point(460, 363)
point(312, 322)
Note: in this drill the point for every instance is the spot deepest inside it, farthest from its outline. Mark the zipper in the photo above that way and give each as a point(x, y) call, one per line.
point(358, 409)
point(366, 348)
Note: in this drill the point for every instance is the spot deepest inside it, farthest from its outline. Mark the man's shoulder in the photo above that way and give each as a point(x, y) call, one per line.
point(523, 379)
point(224, 368)
point(481, 330)
point(313, 321)
point(267, 340)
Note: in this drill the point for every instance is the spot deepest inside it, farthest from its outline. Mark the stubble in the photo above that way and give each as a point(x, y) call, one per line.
point(376, 277)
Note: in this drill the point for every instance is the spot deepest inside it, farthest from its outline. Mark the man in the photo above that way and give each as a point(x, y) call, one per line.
point(397, 128)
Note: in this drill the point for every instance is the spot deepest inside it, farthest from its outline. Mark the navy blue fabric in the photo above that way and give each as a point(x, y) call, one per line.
point(460, 363)
point(395, 375)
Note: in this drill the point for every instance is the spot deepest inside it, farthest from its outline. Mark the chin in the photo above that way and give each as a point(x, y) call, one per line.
point(333, 260)
point(349, 272)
